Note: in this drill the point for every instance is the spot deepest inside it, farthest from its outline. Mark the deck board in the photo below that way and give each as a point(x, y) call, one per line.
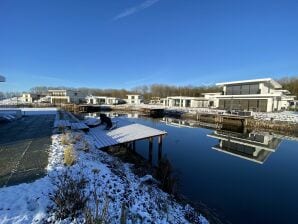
point(79, 126)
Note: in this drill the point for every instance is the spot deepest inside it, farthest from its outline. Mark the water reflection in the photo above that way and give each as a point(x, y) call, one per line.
point(174, 122)
point(253, 146)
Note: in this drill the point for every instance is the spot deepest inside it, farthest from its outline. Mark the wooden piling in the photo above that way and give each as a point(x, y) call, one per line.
point(159, 148)
point(134, 146)
point(150, 149)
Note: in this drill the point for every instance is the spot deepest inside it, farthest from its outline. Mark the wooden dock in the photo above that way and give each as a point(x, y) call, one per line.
point(127, 133)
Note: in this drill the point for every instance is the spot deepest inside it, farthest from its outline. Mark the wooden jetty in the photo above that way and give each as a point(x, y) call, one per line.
point(127, 133)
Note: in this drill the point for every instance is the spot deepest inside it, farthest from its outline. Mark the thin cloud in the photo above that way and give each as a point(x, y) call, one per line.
point(146, 4)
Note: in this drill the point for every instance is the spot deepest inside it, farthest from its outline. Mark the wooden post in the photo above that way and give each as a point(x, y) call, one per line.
point(134, 146)
point(150, 149)
point(159, 148)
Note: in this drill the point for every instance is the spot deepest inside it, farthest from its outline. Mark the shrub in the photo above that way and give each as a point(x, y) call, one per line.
point(69, 155)
point(64, 139)
point(97, 217)
point(69, 197)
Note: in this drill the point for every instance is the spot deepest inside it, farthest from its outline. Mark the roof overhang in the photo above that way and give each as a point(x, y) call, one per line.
point(271, 81)
point(2, 78)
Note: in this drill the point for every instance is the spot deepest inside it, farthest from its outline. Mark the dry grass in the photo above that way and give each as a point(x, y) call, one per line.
point(69, 155)
point(64, 139)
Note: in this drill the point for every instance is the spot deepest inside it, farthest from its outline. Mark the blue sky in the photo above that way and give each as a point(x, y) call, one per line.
point(125, 43)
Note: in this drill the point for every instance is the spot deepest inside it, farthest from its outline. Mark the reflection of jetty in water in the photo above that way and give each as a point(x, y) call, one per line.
point(185, 123)
point(254, 146)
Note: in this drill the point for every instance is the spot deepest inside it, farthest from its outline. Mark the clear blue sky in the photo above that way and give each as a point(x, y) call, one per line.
point(124, 43)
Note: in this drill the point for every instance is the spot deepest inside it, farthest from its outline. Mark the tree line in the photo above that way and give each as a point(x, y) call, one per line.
point(154, 90)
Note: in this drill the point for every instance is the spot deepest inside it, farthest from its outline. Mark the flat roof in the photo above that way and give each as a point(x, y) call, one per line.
point(272, 82)
point(187, 97)
point(2, 78)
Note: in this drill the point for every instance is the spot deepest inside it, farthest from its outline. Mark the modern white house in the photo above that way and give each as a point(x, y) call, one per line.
point(255, 146)
point(2, 78)
point(59, 96)
point(155, 100)
point(134, 99)
point(261, 95)
point(185, 101)
point(99, 100)
point(28, 97)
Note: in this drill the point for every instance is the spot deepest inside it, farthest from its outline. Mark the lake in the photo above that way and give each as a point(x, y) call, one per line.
point(247, 178)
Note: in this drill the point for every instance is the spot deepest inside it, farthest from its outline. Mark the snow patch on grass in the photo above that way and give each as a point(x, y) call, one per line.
point(119, 191)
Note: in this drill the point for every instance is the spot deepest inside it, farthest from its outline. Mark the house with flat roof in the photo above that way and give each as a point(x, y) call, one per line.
point(261, 95)
point(29, 97)
point(185, 101)
point(62, 96)
point(134, 99)
point(100, 100)
point(255, 146)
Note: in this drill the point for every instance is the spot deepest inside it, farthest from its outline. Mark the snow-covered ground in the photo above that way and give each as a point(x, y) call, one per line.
point(12, 101)
point(29, 202)
point(30, 111)
point(287, 116)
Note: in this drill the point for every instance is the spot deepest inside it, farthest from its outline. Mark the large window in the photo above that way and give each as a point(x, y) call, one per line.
point(243, 104)
point(242, 89)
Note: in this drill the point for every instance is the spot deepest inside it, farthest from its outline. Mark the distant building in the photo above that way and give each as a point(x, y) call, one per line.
point(65, 96)
point(29, 97)
point(185, 101)
point(134, 99)
point(2, 78)
point(155, 100)
point(98, 100)
point(263, 95)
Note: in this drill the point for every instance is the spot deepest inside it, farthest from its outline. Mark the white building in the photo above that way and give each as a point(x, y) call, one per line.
point(134, 99)
point(263, 95)
point(65, 96)
point(98, 100)
point(29, 97)
point(185, 101)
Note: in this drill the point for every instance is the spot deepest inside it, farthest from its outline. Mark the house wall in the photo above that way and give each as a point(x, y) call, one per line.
point(134, 99)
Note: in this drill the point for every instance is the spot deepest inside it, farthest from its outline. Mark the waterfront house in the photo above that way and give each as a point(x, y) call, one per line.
point(263, 95)
point(59, 96)
point(30, 97)
point(185, 101)
point(99, 100)
point(134, 99)
point(155, 100)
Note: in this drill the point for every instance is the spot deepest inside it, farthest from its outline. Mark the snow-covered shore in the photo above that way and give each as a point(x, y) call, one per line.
point(29, 202)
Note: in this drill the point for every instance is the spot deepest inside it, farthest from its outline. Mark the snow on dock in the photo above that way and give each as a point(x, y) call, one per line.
point(125, 134)
point(79, 126)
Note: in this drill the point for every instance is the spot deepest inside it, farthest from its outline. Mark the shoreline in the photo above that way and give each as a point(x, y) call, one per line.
point(280, 122)
point(30, 201)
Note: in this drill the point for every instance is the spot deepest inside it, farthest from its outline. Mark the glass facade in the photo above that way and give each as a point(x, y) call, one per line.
point(243, 104)
point(242, 89)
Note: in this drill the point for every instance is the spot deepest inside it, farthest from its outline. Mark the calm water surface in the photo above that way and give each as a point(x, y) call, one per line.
point(246, 187)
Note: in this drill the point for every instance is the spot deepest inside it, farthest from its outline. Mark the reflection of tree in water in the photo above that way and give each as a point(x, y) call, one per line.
point(165, 174)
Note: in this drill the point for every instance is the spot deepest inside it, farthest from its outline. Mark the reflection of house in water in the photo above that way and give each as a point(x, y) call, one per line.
point(255, 146)
point(177, 122)
point(185, 123)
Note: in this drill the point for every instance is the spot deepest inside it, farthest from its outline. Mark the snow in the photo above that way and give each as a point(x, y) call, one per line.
point(287, 116)
point(28, 202)
point(30, 111)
